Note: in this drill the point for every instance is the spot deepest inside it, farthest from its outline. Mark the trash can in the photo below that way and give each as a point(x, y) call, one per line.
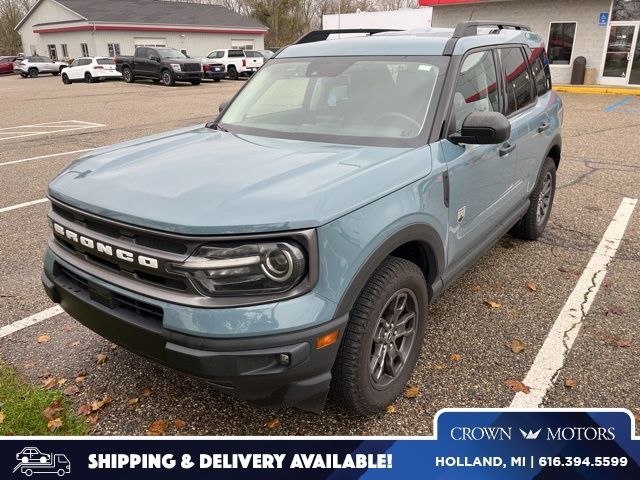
point(578, 71)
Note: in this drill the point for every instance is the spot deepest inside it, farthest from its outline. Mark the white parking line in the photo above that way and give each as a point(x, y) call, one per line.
point(56, 127)
point(32, 320)
point(551, 357)
point(21, 205)
point(47, 156)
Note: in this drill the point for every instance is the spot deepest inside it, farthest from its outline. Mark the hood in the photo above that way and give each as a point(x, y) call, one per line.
point(201, 181)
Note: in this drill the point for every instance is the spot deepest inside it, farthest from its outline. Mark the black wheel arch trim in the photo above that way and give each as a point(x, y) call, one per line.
point(432, 245)
point(555, 143)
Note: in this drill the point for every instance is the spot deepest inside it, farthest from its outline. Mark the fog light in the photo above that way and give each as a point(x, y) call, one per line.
point(285, 359)
point(327, 340)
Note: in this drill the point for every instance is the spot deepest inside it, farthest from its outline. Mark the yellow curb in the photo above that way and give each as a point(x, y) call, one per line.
point(597, 90)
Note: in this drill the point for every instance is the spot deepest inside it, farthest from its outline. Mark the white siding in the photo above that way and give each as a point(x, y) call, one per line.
point(589, 40)
point(47, 11)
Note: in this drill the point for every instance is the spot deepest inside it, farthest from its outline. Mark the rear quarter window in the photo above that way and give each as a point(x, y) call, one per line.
point(517, 79)
point(236, 53)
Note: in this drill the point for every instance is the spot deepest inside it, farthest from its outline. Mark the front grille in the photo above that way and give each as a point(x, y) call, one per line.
point(191, 67)
point(78, 284)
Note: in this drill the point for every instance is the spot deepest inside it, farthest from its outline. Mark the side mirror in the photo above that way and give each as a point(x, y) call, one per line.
point(483, 128)
point(223, 105)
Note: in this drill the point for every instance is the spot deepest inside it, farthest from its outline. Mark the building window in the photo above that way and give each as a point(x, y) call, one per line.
point(85, 49)
point(65, 50)
point(53, 53)
point(242, 44)
point(114, 49)
point(625, 10)
point(561, 37)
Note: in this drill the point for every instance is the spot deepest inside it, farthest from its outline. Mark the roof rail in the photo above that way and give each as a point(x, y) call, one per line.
point(321, 35)
point(469, 29)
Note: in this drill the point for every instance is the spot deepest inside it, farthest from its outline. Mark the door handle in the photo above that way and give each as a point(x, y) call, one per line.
point(506, 149)
point(543, 126)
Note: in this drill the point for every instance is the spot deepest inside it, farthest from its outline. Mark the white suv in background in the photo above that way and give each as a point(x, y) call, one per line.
point(36, 64)
point(90, 69)
point(236, 63)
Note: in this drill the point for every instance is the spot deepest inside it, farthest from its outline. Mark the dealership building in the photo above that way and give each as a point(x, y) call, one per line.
point(604, 32)
point(75, 28)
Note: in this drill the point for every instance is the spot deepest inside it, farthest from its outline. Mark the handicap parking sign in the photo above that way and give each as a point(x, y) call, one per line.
point(604, 19)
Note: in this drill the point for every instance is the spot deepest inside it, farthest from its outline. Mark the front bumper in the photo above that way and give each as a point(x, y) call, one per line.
point(213, 75)
point(187, 76)
point(246, 367)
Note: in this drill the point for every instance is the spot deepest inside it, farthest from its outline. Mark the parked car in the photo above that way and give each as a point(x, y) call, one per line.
point(35, 65)
point(236, 62)
point(374, 171)
point(90, 69)
point(167, 65)
point(6, 63)
point(254, 58)
point(31, 454)
point(211, 69)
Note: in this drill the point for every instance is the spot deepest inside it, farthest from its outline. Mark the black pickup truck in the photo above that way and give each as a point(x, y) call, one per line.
point(167, 65)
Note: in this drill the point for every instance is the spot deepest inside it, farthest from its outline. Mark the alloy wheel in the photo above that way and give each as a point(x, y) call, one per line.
point(544, 200)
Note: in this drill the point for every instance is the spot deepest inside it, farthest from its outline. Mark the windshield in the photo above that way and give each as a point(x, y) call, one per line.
point(170, 53)
point(337, 99)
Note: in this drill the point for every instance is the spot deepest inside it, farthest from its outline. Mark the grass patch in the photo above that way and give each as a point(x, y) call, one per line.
point(22, 404)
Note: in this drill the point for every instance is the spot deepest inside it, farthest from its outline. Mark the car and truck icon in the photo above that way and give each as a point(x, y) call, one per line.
point(32, 460)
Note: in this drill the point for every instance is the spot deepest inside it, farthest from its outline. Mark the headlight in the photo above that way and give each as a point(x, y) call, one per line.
point(245, 269)
point(176, 67)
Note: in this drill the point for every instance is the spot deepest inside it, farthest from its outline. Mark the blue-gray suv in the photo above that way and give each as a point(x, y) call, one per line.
point(291, 247)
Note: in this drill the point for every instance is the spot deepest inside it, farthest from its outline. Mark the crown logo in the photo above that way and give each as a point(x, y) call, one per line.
point(530, 435)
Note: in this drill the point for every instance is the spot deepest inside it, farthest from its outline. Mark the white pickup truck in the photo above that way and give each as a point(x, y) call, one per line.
point(236, 62)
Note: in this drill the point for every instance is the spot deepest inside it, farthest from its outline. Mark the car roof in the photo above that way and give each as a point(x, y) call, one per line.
point(430, 41)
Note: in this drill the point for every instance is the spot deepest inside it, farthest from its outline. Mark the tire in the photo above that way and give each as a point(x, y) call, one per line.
point(362, 385)
point(61, 473)
point(55, 74)
point(88, 78)
point(232, 72)
point(28, 472)
point(195, 82)
point(24, 75)
point(24, 459)
point(216, 80)
point(533, 223)
point(33, 72)
point(167, 78)
point(128, 76)
point(65, 79)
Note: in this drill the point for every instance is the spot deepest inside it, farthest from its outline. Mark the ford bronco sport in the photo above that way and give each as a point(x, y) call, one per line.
point(292, 246)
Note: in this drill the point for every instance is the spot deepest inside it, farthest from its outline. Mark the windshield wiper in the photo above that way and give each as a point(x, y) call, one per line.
point(216, 126)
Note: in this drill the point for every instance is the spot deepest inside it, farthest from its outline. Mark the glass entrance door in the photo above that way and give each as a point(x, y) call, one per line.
point(619, 59)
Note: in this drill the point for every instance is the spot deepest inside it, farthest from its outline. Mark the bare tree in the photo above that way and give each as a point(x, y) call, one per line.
point(11, 12)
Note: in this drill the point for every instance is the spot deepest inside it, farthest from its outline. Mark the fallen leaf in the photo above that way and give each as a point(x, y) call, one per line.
point(2, 417)
point(456, 357)
point(157, 428)
point(75, 344)
point(101, 358)
point(492, 304)
point(517, 386)
point(570, 383)
point(71, 390)
point(517, 346)
point(28, 365)
point(147, 392)
point(84, 410)
point(273, 423)
point(49, 383)
point(564, 269)
point(438, 366)
point(412, 391)
point(133, 401)
point(113, 346)
point(98, 404)
point(637, 417)
point(622, 343)
point(81, 378)
point(179, 424)
point(54, 424)
point(62, 381)
point(43, 338)
point(391, 409)
point(52, 410)
point(92, 418)
point(475, 288)
point(532, 286)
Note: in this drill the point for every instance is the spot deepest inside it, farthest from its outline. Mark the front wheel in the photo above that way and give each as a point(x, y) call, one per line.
point(33, 72)
point(65, 79)
point(232, 72)
point(533, 223)
point(88, 78)
point(167, 78)
point(382, 340)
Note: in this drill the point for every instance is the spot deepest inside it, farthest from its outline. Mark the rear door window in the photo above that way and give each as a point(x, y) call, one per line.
point(476, 88)
point(517, 79)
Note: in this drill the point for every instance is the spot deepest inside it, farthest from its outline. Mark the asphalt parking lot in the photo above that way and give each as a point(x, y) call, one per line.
point(467, 359)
